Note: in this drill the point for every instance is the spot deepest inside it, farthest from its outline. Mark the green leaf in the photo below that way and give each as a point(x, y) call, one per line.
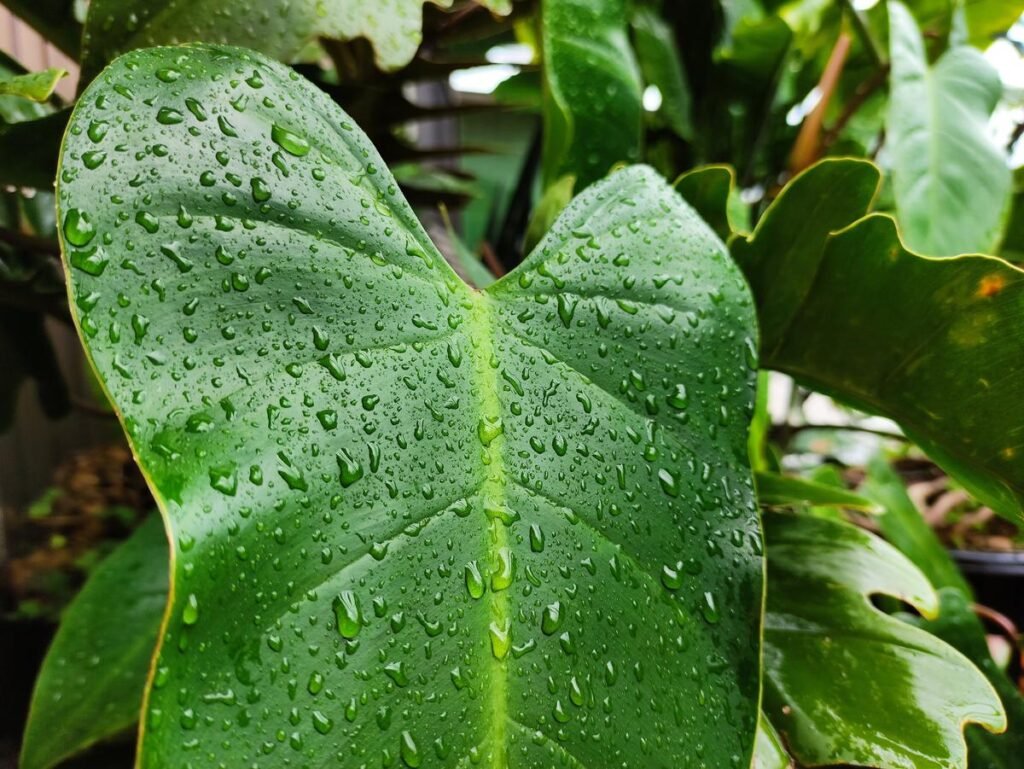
point(53, 19)
point(780, 257)
point(846, 683)
point(412, 521)
point(593, 112)
point(780, 490)
point(463, 260)
point(926, 342)
point(657, 53)
point(985, 19)
point(951, 182)
point(91, 683)
point(903, 525)
point(769, 752)
point(392, 26)
point(958, 626)
point(552, 202)
point(37, 86)
point(707, 189)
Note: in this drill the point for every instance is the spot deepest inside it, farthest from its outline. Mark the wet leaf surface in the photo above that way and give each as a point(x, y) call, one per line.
point(413, 524)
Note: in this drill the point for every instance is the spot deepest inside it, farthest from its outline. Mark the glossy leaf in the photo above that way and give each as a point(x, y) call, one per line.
point(413, 523)
point(37, 86)
point(958, 626)
point(593, 113)
point(951, 182)
point(846, 683)
point(708, 189)
point(769, 752)
point(927, 342)
point(903, 525)
point(774, 489)
point(392, 26)
point(91, 683)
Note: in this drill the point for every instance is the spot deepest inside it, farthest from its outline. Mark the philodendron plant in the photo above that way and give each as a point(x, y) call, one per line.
point(411, 519)
point(413, 523)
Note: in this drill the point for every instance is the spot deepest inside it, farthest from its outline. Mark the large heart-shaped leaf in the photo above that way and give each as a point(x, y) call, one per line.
point(951, 183)
point(413, 522)
point(931, 343)
point(90, 685)
point(279, 30)
point(847, 684)
point(593, 115)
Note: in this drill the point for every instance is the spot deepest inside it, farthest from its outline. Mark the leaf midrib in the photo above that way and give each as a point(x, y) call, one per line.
point(492, 491)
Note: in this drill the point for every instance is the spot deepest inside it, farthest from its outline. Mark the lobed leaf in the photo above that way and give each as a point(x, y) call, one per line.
point(903, 525)
point(413, 522)
point(931, 343)
point(847, 684)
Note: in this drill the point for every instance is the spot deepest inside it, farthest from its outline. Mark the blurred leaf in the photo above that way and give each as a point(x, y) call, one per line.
point(37, 86)
point(91, 682)
point(707, 189)
point(523, 89)
point(985, 19)
point(826, 475)
point(903, 525)
point(553, 200)
point(831, 658)
point(951, 182)
point(926, 342)
point(278, 30)
point(467, 264)
point(760, 424)
point(593, 116)
point(662, 67)
point(29, 150)
point(53, 19)
point(776, 490)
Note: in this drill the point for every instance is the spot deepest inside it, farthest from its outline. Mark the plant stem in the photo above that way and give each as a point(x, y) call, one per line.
point(809, 142)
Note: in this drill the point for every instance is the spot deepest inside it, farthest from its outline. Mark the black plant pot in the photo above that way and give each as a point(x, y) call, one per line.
point(997, 579)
